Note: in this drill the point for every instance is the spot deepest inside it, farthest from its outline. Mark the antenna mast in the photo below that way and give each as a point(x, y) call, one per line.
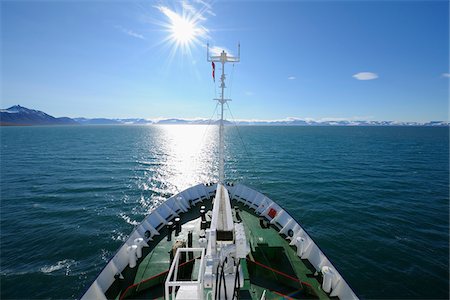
point(222, 58)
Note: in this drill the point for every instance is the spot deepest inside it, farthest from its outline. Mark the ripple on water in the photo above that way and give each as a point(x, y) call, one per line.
point(62, 265)
point(374, 199)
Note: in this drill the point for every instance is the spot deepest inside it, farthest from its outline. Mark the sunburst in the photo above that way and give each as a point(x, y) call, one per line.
point(185, 30)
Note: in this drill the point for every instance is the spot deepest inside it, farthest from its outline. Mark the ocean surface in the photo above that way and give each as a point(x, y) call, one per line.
point(375, 199)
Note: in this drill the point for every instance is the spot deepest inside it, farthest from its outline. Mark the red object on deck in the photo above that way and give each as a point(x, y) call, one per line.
point(272, 213)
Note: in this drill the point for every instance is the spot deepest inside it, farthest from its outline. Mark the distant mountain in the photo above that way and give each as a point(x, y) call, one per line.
point(173, 121)
point(135, 121)
point(103, 121)
point(298, 122)
point(97, 121)
point(190, 122)
point(19, 115)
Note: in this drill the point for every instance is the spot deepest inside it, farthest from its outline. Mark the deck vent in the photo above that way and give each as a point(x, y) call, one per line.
point(131, 250)
point(139, 242)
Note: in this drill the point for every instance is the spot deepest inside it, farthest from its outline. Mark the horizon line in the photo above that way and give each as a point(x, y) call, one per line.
point(369, 119)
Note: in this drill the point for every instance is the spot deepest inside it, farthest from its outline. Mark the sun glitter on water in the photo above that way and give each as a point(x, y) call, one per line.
point(189, 156)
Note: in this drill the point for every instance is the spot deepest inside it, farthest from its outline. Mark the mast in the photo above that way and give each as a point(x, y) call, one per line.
point(222, 58)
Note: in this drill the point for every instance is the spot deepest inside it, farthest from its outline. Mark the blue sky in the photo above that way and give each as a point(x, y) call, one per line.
point(300, 59)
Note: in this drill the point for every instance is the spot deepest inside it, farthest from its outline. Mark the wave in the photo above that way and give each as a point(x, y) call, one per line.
point(119, 236)
point(128, 219)
point(60, 265)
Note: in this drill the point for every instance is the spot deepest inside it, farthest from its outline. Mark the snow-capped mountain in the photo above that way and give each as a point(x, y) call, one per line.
point(19, 115)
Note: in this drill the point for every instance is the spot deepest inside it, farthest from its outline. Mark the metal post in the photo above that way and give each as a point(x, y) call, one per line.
point(221, 129)
point(222, 58)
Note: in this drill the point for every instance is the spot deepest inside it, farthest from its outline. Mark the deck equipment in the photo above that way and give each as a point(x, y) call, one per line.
point(219, 241)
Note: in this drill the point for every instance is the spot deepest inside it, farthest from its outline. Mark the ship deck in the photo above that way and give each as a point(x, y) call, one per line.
point(272, 267)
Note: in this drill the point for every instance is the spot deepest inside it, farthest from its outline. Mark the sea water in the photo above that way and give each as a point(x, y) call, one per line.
point(375, 199)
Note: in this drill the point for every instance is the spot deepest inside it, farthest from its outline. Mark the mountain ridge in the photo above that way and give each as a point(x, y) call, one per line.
point(18, 115)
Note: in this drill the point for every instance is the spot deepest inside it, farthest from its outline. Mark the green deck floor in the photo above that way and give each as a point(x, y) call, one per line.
point(155, 262)
point(261, 240)
point(269, 237)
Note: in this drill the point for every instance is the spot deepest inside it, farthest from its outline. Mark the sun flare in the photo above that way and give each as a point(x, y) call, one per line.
point(185, 29)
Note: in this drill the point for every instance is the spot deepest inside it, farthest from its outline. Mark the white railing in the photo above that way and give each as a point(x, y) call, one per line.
point(185, 290)
point(335, 284)
point(152, 223)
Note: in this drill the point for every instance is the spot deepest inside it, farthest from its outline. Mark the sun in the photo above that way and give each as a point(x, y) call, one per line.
point(185, 29)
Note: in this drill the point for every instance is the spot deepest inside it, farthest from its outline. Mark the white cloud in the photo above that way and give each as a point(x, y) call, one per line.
point(446, 75)
point(194, 11)
point(189, 16)
point(188, 7)
point(204, 3)
point(365, 76)
point(206, 7)
point(168, 12)
point(130, 33)
point(291, 77)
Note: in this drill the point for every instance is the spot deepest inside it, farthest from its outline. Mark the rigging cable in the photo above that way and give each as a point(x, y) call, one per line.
point(237, 282)
point(231, 82)
point(250, 158)
point(235, 124)
point(215, 88)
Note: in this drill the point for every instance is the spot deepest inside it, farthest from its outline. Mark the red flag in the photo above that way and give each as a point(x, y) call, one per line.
point(213, 71)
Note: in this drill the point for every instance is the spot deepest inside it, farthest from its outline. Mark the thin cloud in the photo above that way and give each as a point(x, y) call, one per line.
point(197, 13)
point(188, 7)
point(365, 76)
point(207, 7)
point(196, 10)
point(291, 77)
point(249, 93)
point(131, 33)
point(190, 14)
point(168, 12)
point(446, 75)
point(204, 3)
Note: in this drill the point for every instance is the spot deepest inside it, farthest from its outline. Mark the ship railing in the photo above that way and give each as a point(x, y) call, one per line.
point(147, 229)
point(185, 289)
point(288, 226)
